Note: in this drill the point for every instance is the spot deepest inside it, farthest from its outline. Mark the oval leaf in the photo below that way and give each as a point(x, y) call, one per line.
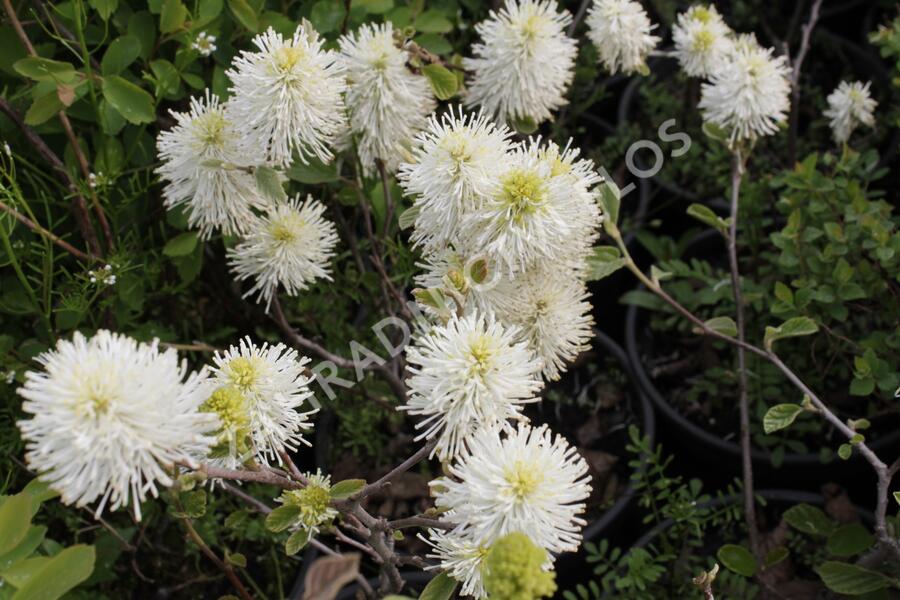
point(798, 326)
point(296, 542)
point(15, 521)
point(282, 517)
point(442, 80)
point(780, 416)
point(181, 245)
point(808, 519)
point(133, 103)
point(849, 539)
point(850, 579)
point(59, 575)
point(346, 488)
point(439, 588)
point(737, 559)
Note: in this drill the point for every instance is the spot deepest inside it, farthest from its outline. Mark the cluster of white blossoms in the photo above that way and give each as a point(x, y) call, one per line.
point(621, 32)
point(387, 103)
point(849, 106)
point(522, 68)
point(702, 41)
point(521, 479)
point(749, 95)
point(111, 416)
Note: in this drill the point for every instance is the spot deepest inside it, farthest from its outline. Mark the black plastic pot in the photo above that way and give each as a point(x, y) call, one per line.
point(713, 454)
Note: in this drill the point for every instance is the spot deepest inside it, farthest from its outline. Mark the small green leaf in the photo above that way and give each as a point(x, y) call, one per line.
point(439, 588)
point(723, 325)
point(104, 8)
point(59, 574)
point(798, 326)
point(132, 102)
point(432, 21)
point(15, 521)
point(314, 172)
point(24, 548)
point(346, 488)
point(44, 108)
point(245, 14)
point(443, 82)
point(296, 542)
point(845, 451)
point(809, 519)
point(45, 69)
point(849, 539)
point(194, 503)
point(603, 262)
point(737, 559)
point(704, 214)
point(610, 199)
point(375, 7)
point(327, 15)
point(282, 517)
point(408, 217)
point(780, 416)
point(524, 125)
point(269, 183)
point(172, 16)
point(776, 555)
point(852, 580)
point(237, 559)
point(181, 245)
point(123, 51)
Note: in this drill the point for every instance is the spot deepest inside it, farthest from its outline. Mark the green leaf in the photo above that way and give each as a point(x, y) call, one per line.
point(133, 103)
point(346, 488)
point(327, 15)
point(432, 21)
point(442, 80)
point(849, 539)
point(776, 555)
point(845, 451)
point(408, 217)
point(237, 559)
point(123, 51)
point(375, 7)
point(296, 542)
point(23, 571)
point(439, 588)
point(704, 214)
point(809, 519)
point(610, 199)
point(737, 559)
point(181, 245)
point(282, 517)
point(59, 574)
point(313, 173)
point(524, 125)
point(207, 11)
point(780, 416)
point(104, 8)
point(245, 14)
point(194, 503)
point(715, 132)
point(45, 69)
point(269, 183)
point(167, 77)
point(723, 325)
point(796, 327)
point(15, 521)
point(172, 16)
point(24, 548)
point(852, 580)
point(603, 262)
point(44, 108)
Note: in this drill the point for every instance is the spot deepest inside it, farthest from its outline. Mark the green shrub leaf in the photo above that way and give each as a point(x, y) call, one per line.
point(439, 588)
point(132, 102)
point(780, 416)
point(849, 539)
point(282, 517)
point(798, 326)
point(346, 488)
point(809, 519)
point(296, 542)
point(852, 580)
point(737, 559)
point(442, 80)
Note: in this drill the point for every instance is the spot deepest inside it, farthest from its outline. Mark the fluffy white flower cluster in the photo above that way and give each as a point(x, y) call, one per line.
point(110, 416)
point(703, 41)
point(621, 32)
point(849, 106)
point(525, 62)
point(509, 480)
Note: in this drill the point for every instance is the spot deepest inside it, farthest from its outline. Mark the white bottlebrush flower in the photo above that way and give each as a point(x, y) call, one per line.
point(470, 277)
point(620, 30)
point(110, 416)
point(530, 216)
point(749, 96)
point(521, 479)
point(387, 103)
point(291, 247)
point(524, 64)
point(461, 556)
point(203, 163)
point(454, 166)
point(466, 374)
point(288, 96)
point(205, 44)
point(849, 106)
point(313, 501)
point(269, 386)
point(702, 41)
point(552, 310)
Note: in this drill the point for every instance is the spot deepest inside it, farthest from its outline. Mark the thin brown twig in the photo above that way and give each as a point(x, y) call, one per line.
point(221, 564)
point(797, 65)
point(83, 256)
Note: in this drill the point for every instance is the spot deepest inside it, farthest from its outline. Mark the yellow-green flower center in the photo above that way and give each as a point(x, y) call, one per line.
point(524, 193)
point(242, 372)
point(313, 502)
point(230, 405)
point(523, 479)
point(702, 14)
point(212, 129)
point(703, 40)
point(286, 58)
point(283, 233)
point(481, 353)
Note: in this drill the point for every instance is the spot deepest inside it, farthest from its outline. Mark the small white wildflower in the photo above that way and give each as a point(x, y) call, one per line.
point(849, 106)
point(620, 30)
point(10, 377)
point(702, 41)
point(291, 246)
point(93, 179)
point(523, 479)
point(466, 374)
point(110, 416)
point(288, 95)
point(263, 388)
point(453, 168)
point(202, 162)
point(749, 96)
point(7, 149)
point(387, 103)
point(205, 44)
point(524, 64)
